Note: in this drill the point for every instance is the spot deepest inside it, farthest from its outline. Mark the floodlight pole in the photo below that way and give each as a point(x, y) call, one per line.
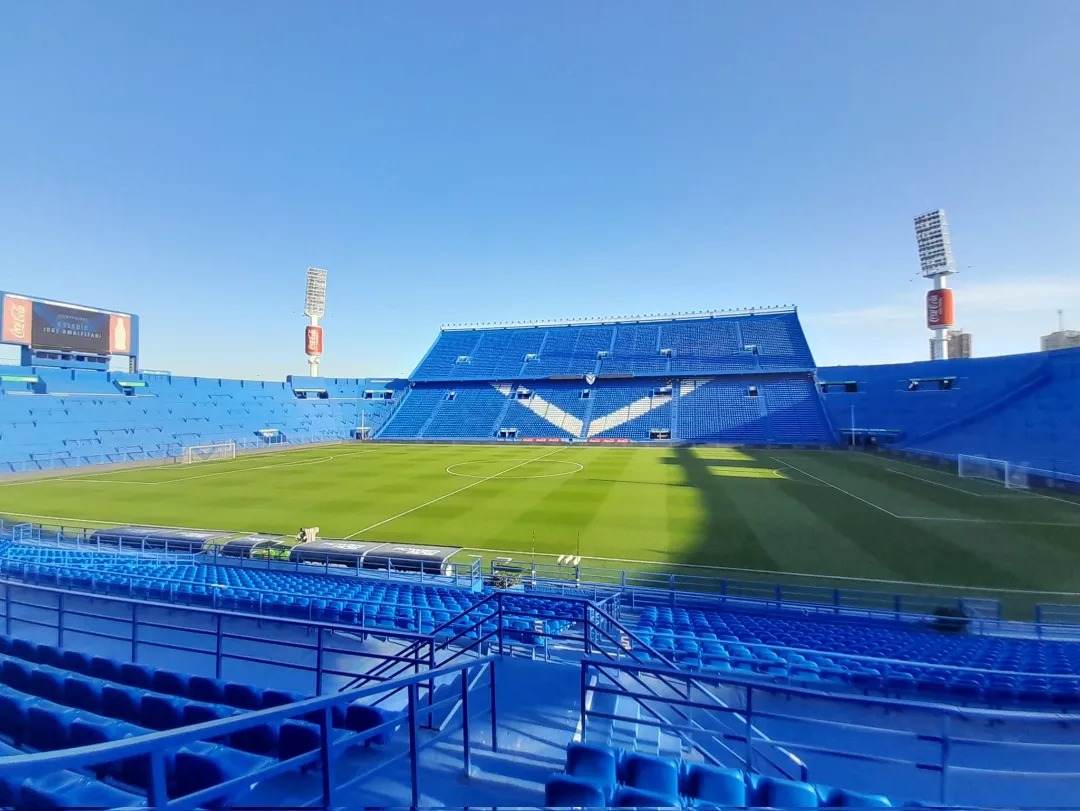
point(937, 264)
point(314, 309)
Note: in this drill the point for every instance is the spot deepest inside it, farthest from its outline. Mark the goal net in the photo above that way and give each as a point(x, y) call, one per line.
point(209, 453)
point(994, 470)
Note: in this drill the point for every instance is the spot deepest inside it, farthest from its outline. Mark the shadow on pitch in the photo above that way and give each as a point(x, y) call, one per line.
point(726, 536)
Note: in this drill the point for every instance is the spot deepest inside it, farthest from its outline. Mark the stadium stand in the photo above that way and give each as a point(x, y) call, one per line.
point(1018, 408)
point(52, 699)
point(318, 597)
point(622, 380)
point(52, 418)
point(911, 658)
point(716, 344)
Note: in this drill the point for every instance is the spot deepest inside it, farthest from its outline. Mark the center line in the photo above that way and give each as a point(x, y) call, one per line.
point(453, 493)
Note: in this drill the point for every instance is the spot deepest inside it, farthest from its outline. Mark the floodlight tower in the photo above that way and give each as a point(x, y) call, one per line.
point(936, 259)
point(314, 309)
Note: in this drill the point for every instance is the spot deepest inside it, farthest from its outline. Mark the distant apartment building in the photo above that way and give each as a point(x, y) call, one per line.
point(959, 344)
point(1062, 339)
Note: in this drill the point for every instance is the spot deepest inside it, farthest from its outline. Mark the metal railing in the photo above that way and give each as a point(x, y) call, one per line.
point(734, 725)
point(217, 638)
point(370, 615)
point(157, 745)
point(644, 588)
point(781, 670)
point(468, 574)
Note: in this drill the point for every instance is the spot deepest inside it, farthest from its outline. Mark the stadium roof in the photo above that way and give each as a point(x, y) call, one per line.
point(623, 319)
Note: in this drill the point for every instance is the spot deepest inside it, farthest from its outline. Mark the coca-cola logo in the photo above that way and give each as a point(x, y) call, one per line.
point(937, 308)
point(16, 322)
point(313, 340)
point(933, 311)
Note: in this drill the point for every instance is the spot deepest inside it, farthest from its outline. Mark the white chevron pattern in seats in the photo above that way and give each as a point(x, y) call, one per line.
point(553, 414)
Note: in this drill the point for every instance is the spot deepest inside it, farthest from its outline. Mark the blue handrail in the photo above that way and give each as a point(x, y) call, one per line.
point(157, 744)
point(755, 712)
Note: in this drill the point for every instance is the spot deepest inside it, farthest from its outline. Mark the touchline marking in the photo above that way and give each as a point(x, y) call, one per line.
point(452, 493)
point(834, 487)
point(79, 478)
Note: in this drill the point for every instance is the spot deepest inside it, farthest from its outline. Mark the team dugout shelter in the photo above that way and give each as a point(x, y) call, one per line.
point(375, 555)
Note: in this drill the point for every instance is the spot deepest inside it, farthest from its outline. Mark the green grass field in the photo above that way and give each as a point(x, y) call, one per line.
point(822, 517)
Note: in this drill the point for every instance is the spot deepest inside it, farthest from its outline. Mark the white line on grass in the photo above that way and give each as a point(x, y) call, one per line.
point(1054, 498)
point(452, 493)
point(834, 487)
point(933, 517)
point(1019, 493)
point(988, 521)
point(965, 491)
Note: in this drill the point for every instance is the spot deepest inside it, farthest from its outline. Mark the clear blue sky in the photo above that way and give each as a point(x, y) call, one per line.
point(479, 161)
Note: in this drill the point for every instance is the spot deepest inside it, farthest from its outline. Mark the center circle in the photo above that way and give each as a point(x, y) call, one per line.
point(495, 466)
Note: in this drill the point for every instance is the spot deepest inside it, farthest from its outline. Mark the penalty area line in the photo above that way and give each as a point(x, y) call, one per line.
point(835, 487)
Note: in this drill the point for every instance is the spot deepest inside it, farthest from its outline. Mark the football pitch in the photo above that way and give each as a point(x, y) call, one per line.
point(832, 518)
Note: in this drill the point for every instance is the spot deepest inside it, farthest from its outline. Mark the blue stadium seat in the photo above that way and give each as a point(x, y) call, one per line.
point(123, 703)
point(840, 798)
point(656, 775)
point(82, 693)
point(595, 764)
point(161, 712)
point(776, 792)
point(632, 797)
point(712, 786)
point(49, 727)
point(64, 790)
point(571, 792)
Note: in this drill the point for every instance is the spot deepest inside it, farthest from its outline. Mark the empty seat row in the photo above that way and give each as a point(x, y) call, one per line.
point(710, 345)
point(157, 698)
point(372, 603)
point(892, 657)
point(168, 682)
point(599, 776)
point(61, 790)
point(31, 723)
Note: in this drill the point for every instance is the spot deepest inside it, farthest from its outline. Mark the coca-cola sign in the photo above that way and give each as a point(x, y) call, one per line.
point(16, 319)
point(66, 327)
point(313, 340)
point(939, 308)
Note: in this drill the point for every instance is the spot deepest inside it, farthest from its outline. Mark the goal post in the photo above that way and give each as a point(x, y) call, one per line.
point(213, 452)
point(1004, 473)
